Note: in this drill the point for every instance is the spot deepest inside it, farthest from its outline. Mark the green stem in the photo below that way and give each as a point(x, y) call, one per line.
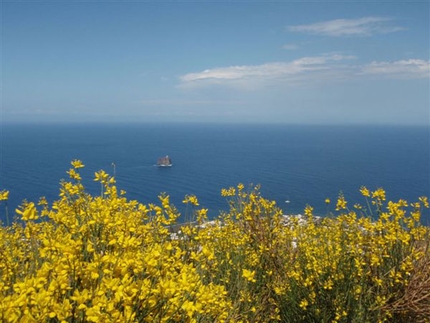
point(7, 214)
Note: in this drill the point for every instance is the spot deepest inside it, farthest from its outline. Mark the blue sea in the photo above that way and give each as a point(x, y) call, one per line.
point(299, 164)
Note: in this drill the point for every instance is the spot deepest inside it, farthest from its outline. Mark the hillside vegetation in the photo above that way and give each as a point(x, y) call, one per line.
point(105, 258)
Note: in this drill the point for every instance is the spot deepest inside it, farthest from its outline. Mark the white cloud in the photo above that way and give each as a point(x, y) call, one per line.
point(411, 68)
point(267, 71)
point(305, 70)
point(365, 26)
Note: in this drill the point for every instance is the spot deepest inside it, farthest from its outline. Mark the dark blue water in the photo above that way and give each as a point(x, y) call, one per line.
point(302, 164)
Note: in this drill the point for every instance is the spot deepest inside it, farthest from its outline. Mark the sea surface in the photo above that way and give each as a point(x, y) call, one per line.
point(299, 164)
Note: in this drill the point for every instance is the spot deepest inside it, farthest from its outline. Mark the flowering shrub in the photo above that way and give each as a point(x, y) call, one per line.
point(109, 259)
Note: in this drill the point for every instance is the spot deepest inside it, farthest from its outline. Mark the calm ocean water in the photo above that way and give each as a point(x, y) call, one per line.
point(302, 164)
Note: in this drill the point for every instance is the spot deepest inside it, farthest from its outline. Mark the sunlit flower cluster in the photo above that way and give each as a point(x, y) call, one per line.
point(105, 258)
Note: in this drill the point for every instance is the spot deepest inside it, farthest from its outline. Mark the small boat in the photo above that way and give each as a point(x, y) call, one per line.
point(164, 162)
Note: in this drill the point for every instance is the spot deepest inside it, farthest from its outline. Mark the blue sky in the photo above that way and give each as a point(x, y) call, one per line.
point(310, 62)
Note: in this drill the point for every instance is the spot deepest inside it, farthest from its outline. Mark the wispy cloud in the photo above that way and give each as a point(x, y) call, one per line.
point(365, 26)
point(411, 68)
point(287, 71)
point(305, 70)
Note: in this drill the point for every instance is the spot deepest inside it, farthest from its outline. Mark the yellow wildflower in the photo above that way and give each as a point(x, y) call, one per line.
point(74, 174)
point(379, 194)
point(424, 200)
point(202, 215)
point(101, 176)
point(228, 192)
point(77, 163)
point(304, 304)
point(192, 199)
point(249, 275)
point(364, 191)
point(29, 212)
point(4, 195)
point(308, 210)
point(42, 201)
point(341, 203)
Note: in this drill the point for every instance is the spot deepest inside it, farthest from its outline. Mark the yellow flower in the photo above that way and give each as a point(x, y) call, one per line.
point(228, 192)
point(29, 212)
point(424, 200)
point(4, 195)
point(165, 200)
point(42, 201)
point(192, 199)
point(202, 215)
point(364, 191)
point(341, 203)
point(77, 163)
point(74, 174)
point(248, 275)
point(308, 210)
point(379, 194)
point(304, 304)
point(327, 201)
point(101, 176)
